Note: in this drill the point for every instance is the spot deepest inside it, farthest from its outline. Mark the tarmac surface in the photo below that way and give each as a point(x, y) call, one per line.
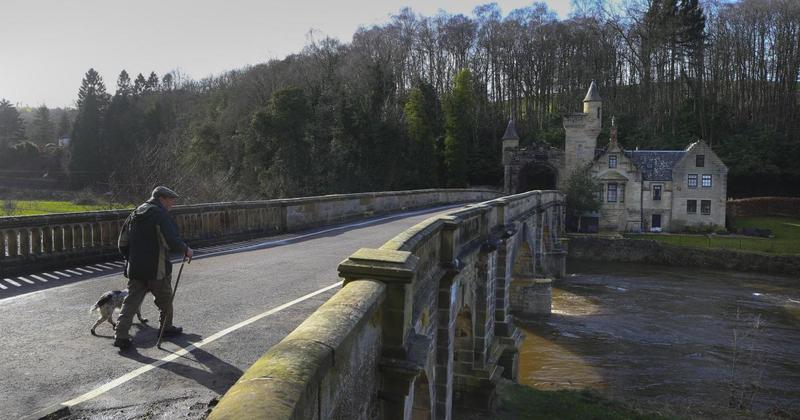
point(234, 302)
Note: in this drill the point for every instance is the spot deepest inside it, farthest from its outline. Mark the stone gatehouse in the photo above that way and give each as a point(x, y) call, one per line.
point(640, 190)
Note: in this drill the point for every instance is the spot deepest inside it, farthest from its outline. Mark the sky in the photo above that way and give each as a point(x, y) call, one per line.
point(46, 46)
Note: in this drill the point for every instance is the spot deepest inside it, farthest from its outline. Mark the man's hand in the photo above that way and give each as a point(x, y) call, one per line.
point(189, 253)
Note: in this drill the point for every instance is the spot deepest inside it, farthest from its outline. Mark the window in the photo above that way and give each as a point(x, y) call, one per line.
point(621, 193)
point(691, 206)
point(706, 181)
point(599, 194)
point(700, 161)
point(705, 206)
point(612, 193)
point(692, 181)
point(656, 192)
point(598, 113)
point(612, 161)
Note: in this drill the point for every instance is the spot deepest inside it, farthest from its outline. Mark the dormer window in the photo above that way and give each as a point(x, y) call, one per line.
point(612, 161)
point(700, 161)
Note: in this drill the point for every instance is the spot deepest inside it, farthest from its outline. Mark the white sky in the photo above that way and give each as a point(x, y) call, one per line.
point(46, 46)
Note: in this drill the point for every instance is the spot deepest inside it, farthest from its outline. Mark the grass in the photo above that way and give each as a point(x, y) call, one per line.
point(786, 240)
point(33, 207)
point(523, 402)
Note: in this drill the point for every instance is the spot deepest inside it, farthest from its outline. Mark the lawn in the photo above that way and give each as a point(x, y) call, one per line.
point(26, 208)
point(786, 240)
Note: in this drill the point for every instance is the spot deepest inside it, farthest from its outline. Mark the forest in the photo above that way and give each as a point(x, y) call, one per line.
point(422, 101)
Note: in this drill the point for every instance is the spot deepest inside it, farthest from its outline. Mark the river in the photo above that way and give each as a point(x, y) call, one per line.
point(673, 336)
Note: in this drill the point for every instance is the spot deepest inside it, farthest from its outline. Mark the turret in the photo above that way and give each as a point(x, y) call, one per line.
point(510, 142)
point(593, 105)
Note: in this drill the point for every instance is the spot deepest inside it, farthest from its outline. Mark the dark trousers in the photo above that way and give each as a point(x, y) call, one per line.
point(137, 289)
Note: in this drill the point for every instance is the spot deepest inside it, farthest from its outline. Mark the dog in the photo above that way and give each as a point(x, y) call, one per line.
point(106, 305)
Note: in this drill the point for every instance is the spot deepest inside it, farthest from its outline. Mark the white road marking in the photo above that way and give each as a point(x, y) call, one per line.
point(3, 286)
point(77, 273)
point(25, 280)
point(85, 270)
point(62, 274)
point(116, 264)
point(41, 279)
point(12, 282)
point(186, 350)
point(51, 276)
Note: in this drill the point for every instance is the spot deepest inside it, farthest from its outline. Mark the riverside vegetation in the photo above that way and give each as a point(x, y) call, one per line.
point(421, 101)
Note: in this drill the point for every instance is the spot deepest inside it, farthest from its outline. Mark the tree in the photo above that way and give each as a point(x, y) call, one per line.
point(152, 82)
point(282, 147)
point(139, 85)
point(459, 129)
point(582, 193)
point(88, 153)
point(11, 126)
point(167, 82)
point(124, 87)
point(42, 127)
point(421, 113)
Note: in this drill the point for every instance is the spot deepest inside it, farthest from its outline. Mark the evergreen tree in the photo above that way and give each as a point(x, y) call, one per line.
point(459, 129)
point(167, 82)
point(88, 153)
point(152, 82)
point(421, 116)
point(42, 126)
point(282, 147)
point(12, 128)
point(139, 85)
point(124, 87)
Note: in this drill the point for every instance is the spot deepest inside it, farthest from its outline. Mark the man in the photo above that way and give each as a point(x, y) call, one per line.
point(147, 239)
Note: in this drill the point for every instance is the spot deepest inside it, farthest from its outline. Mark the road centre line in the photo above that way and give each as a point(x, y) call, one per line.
point(186, 350)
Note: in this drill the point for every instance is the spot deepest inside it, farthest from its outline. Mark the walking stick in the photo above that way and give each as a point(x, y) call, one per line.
point(172, 301)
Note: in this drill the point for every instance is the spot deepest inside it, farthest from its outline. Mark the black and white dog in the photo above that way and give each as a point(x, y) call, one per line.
point(106, 305)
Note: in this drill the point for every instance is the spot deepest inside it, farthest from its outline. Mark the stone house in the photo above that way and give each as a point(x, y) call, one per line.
point(650, 190)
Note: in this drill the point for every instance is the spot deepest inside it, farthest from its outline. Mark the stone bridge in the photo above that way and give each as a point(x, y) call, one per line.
point(422, 327)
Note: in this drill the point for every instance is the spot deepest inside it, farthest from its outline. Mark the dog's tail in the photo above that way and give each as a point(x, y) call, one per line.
point(107, 296)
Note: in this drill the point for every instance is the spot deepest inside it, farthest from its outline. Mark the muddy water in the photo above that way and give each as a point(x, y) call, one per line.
point(668, 335)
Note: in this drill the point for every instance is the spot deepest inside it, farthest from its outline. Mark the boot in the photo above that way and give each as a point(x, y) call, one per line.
point(172, 331)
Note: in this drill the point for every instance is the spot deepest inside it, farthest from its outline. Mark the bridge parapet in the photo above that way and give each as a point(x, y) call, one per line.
point(440, 334)
point(36, 243)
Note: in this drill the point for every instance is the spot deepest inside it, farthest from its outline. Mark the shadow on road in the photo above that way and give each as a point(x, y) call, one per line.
point(217, 376)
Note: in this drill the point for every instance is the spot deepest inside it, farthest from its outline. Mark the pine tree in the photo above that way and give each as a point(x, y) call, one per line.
point(42, 126)
point(63, 125)
point(152, 82)
point(167, 82)
point(459, 129)
point(12, 128)
point(124, 87)
point(421, 116)
point(139, 85)
point(87, 151)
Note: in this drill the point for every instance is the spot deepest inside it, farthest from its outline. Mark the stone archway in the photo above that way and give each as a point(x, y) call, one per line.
point(537, 176)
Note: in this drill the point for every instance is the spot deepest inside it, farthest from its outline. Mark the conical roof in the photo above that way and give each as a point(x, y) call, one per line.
point(511, 131)
point(593, 94)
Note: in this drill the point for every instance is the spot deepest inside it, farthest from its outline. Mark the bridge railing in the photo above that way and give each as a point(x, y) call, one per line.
point(35, 243)
point(370, 340)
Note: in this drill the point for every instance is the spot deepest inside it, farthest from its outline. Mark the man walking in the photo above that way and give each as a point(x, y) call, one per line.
point(147, 238)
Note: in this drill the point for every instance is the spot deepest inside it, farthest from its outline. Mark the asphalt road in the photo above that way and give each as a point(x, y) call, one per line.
point(48, 357)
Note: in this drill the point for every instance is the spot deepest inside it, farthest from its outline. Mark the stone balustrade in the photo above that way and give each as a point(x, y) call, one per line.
point(35, 243)
point(421, 327)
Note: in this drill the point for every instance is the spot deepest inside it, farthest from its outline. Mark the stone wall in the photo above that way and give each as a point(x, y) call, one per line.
point(427, 313)
point(654, 252)
point(36, 243)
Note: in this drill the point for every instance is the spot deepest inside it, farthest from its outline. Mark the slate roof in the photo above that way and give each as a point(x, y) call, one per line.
point(511, 131)
point(656, 165)
point(593, 94)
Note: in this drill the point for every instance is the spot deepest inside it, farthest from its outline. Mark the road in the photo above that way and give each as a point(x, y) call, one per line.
point(234, 302)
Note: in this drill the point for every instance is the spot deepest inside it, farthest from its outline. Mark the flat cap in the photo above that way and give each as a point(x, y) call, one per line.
point(162, 191)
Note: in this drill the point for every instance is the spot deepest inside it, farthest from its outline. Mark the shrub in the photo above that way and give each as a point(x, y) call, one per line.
point(85, 197)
